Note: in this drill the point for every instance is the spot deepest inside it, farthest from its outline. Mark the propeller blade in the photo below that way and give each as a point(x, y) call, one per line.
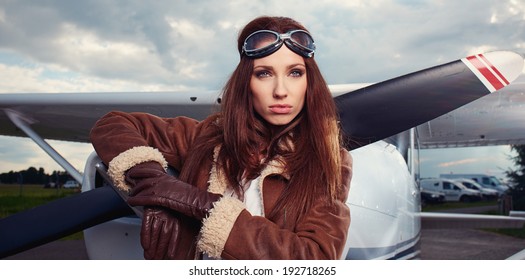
point(384, 109)
point(59, 218)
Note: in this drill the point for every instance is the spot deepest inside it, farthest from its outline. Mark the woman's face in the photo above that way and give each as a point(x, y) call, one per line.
point(278, 86)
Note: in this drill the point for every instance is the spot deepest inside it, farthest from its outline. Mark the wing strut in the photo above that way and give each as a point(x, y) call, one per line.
point(24, 124)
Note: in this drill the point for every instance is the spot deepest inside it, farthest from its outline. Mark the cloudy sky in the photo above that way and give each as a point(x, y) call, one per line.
point(88, 46)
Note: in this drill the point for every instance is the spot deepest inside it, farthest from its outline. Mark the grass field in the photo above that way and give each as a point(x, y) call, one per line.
point(16, 198)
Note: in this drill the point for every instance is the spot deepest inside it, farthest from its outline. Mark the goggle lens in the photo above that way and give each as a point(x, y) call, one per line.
point(265, 42)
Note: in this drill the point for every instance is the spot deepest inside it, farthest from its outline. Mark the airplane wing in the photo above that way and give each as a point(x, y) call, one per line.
point(70, 116)
point(497, 119)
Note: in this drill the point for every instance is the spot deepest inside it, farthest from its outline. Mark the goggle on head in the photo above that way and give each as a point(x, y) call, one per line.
point(265, 42)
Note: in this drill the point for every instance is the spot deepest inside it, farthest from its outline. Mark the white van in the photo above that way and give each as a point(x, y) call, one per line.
point(484, 180)
point(454, 191)
point(488, 194)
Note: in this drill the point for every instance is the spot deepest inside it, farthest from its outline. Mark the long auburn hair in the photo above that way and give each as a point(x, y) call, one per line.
point(309, 146)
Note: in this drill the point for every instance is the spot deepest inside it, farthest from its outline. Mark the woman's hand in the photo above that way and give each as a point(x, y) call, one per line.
point(152, 186)
point(159, 233)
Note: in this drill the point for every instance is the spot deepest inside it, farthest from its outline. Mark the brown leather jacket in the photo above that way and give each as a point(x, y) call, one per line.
point(230, 232)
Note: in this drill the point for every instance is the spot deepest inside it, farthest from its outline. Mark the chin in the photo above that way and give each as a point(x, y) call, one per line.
point(279, 122)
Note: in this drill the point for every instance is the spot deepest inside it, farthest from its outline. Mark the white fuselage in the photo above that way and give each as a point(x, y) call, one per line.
point(384, 202)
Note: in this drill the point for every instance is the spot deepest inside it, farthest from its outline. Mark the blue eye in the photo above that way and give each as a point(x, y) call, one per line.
point(296, 73)
point(262, 74)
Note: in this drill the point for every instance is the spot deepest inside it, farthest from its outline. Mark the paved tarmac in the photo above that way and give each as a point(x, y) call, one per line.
point(467, 244)
point(56, 250)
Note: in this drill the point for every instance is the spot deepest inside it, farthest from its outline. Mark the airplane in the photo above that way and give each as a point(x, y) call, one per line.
point(472, 101)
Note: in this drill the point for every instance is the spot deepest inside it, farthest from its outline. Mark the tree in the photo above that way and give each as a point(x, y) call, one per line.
point(30, 175)
point(34, 176)
point(517, 178)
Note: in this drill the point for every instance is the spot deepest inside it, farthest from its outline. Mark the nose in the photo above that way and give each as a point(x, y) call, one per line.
point(280, 91)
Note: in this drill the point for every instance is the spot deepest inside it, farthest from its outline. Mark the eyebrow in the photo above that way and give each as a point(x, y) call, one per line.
point(269, 67)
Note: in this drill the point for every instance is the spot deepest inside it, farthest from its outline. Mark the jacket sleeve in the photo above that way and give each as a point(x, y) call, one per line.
point(231, 232)
point(123, 140)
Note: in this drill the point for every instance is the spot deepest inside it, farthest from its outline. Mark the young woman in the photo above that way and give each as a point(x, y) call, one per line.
point(265, 178)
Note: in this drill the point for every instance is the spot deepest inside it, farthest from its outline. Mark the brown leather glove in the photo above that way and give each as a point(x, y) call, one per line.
point(159, 233)
point(161, 227)
point(154, 187)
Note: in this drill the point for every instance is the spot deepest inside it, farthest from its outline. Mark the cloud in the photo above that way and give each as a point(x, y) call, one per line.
point(461, 162)
point(51, 78)
point(96, 45)
point(193, 44)
point(494, 160)
point(20, 153)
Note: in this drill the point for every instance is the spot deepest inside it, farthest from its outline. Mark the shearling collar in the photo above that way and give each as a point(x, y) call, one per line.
point(218, 183)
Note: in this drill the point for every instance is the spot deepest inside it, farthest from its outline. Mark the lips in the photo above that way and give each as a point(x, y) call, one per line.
point(281, 109)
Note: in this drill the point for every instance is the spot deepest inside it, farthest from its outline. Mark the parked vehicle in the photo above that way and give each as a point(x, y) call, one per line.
point(71, 184)
point(488, 194)
point(454, 191)
point(50, 185)
point(431, 197)
point(484, 180)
